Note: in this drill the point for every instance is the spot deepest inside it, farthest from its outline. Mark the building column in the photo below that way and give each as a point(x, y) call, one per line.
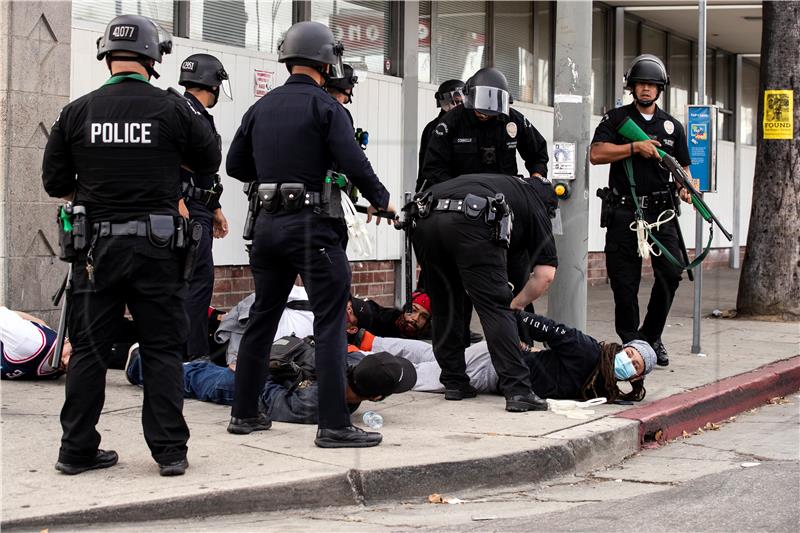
point(34, 86)
point(409, 70)
point(572, 124)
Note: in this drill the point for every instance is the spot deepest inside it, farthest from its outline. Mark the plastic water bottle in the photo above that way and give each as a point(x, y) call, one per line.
point(373, 420)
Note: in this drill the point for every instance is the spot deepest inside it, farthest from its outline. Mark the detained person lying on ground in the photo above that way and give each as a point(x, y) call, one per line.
point(574, 366)
point(26, 345)
point(293, 399)
point(298, 320)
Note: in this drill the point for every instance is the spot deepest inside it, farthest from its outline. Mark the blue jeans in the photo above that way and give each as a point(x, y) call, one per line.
point(208, 382)
point(202, 380)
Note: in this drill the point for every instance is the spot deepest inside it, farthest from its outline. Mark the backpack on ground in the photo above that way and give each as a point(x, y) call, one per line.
point(291, 360)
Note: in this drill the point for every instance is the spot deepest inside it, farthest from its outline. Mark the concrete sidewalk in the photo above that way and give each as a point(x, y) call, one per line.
point(430, 445)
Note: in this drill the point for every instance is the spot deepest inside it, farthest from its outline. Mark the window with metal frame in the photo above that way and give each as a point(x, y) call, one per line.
point(513, 46)
point(600, 60)
point(458, 47)
point(252, 24)
point(543, 50)
point(723, 89)
point(102, 11)
point(365, 28)
point(679, 67)
point(749, 104)
point(424, 61)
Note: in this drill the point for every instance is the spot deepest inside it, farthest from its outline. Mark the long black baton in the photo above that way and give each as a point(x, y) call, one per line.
point(63, 292)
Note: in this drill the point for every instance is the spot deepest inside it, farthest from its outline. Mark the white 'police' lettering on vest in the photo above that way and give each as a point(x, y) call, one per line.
point(121, 133)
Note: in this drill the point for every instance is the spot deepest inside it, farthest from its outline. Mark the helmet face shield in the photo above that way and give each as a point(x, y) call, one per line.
point(450, 99)
point(487, 100)
point(226, 89)
point(164, 41)
point(225, 84)
point(337, 69)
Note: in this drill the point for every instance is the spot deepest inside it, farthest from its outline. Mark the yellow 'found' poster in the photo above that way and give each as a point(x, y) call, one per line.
point(778, 114)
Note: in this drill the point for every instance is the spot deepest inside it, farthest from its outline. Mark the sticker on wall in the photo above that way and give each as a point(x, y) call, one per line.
point(778, 114)
point(263, 82)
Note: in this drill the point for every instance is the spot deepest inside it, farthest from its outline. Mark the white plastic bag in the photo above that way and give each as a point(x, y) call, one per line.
point(359, 235)
point(573, 409)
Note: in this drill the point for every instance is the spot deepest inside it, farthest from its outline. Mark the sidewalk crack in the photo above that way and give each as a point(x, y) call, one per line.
point(289, 455)
point(737, 453)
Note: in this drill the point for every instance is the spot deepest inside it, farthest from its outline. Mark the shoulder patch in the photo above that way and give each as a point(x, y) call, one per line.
point(605, 117)
point(441, 129)
point(669, 127)
point(511, 129)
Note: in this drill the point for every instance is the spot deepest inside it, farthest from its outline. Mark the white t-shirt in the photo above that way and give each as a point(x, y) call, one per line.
point(480, 370)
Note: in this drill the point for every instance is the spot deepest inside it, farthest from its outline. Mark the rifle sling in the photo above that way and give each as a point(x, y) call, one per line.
point(628, 164)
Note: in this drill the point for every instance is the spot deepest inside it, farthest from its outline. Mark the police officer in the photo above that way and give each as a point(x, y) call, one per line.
point(449, 95)
point(116, 152)
point(646, 80)
point(203, 76)
point(484, 135)
point(463, 232)
point(341, 88)
point(287, 141)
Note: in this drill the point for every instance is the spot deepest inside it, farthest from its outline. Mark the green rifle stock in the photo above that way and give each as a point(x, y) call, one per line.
point(631, 131)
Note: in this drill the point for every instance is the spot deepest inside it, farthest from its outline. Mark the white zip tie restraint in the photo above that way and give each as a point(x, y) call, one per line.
point(643, 230)
point(359, 235)
point(573, 409)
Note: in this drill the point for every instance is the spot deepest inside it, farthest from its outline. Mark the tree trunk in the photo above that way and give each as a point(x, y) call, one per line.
point(770, 282)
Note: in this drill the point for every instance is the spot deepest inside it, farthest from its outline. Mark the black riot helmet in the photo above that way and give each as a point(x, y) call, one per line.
point(312, 44)
point(450, 94)
point(205, 71)
point(647, 68)
point(134, 34)
point(487, 92)
point(345, 83)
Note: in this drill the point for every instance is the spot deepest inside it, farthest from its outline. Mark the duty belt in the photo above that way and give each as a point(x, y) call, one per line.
point(449, 204)
point(277, 197)
point(204, 196)
point(136, 228)
point(492, 210)
point(652, 201)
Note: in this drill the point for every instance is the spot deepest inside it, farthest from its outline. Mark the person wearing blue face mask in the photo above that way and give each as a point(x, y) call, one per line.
point(576, 365)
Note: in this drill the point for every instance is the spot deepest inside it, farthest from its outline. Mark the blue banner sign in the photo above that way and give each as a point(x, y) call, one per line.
point(701, 133)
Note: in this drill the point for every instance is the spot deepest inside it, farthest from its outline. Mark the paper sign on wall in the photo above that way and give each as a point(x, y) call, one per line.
point(563, 161)
point(778, 114)
point(263, 82)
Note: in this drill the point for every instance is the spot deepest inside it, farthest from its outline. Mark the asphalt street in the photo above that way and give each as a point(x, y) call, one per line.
point(742, 475)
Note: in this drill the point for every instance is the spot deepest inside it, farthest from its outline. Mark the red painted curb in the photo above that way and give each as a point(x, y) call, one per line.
point(668, 418)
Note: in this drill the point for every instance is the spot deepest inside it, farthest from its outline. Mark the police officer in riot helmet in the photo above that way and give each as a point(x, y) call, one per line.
point(449, 95)
point(484, 135)
point(646, 80)
point(342, 87)
point(203, 76)
point(115, 153)
point(287, 141)
point(470, 246)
